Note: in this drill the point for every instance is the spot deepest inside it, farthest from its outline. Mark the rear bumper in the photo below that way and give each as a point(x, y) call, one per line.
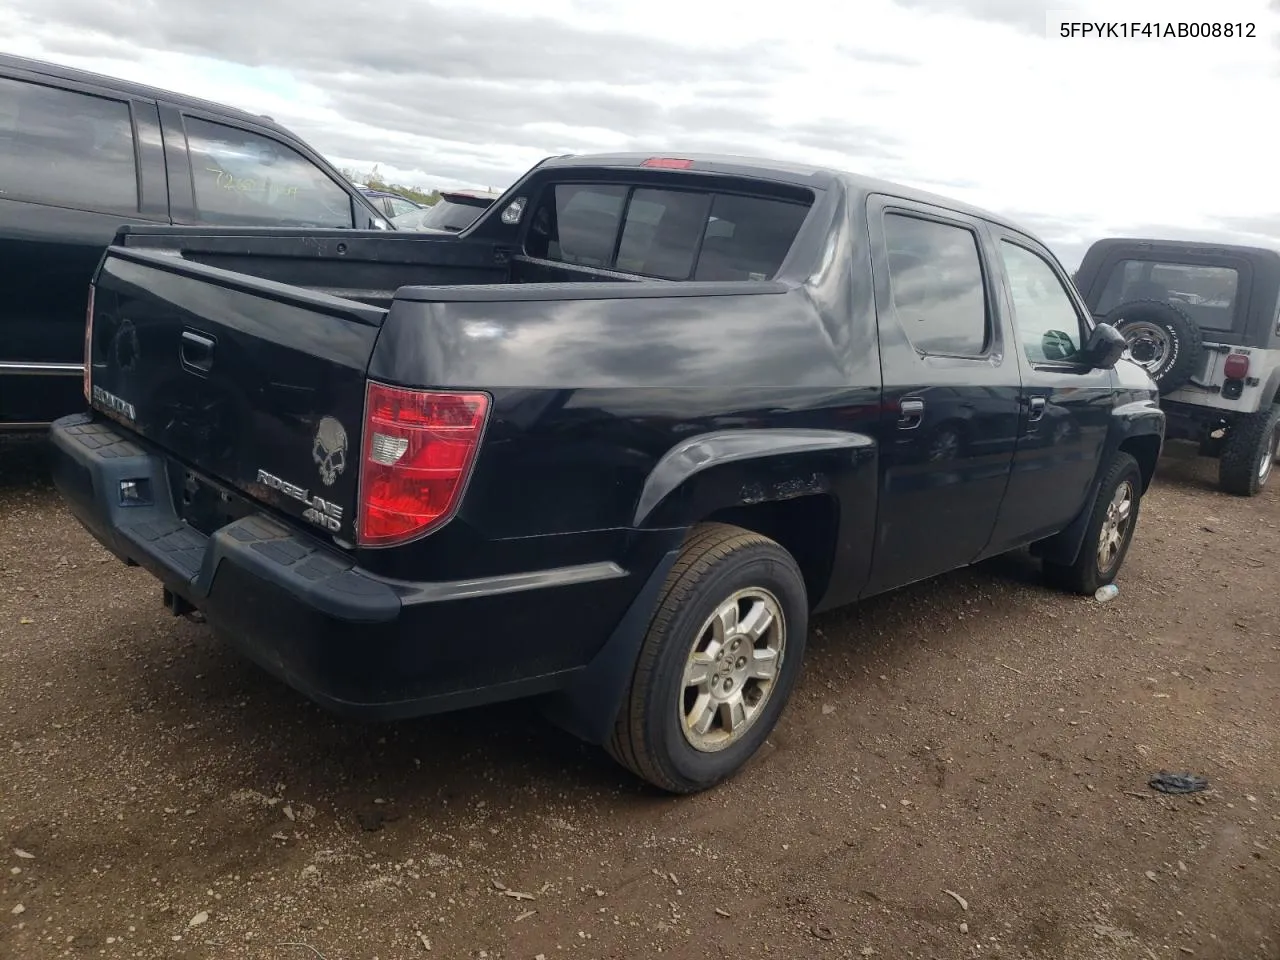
point(352, 641)
point(1189, 421)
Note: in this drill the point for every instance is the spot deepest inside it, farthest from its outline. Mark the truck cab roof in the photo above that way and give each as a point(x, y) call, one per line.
point(140, 90)
point(780, 171)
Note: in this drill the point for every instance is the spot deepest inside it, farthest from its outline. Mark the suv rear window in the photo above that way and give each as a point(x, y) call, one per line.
point(667, 234)
point(1207, 294)
point(65, 148)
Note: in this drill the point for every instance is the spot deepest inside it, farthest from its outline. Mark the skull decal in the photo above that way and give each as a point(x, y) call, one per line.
point(330, 450)
point(126, 346)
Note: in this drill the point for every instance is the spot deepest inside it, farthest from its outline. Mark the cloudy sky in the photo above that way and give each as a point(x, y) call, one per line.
point(978, 99)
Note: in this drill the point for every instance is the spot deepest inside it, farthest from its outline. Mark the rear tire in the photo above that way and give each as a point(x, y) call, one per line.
point(731, 598)
point(1248, 456)
point(1162, 339)
point(1109, 532)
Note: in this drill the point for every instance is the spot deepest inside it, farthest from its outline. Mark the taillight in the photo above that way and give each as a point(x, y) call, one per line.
point(88, 345)
point(670, 163)
point(419, 447)
point(1236, 366)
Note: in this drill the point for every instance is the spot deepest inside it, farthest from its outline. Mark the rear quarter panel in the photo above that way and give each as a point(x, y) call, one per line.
point(596, 386)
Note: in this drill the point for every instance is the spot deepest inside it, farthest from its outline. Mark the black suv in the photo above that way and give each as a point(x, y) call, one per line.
point(81, 154)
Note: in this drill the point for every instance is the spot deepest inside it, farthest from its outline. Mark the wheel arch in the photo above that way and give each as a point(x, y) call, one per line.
point(711, 472)
point(813, 491)
point(806, 527)
point(1136, 429)
point(1145, 448)
point(786, 484)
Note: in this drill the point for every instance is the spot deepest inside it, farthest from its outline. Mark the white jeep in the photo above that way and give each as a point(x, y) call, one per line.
point(1204, 319)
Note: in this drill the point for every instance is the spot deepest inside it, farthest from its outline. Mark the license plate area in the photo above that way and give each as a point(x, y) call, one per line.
point(204, 505)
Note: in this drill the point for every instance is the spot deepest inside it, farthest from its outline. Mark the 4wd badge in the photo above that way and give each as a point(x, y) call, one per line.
point(330, 450)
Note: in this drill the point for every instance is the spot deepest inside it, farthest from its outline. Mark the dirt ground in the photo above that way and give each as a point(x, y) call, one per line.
point(977, 734)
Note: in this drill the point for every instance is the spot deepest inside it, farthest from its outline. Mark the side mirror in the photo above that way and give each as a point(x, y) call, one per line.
point(1105, 347)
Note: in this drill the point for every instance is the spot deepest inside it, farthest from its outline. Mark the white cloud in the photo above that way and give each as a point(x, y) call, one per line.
point(978, 99)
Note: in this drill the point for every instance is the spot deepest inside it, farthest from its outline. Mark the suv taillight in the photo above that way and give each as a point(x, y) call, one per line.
point(419, 446)
point(88, 345)
point(1236, 366)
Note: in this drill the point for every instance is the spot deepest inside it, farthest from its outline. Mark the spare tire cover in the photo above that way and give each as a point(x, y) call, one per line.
point(1162, 338)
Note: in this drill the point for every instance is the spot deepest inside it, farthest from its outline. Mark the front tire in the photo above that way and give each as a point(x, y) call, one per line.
point(1109, 532)
point(1249, 455)
point(718, 664)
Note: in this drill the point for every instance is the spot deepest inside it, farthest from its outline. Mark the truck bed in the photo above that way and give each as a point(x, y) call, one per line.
point(366, 266)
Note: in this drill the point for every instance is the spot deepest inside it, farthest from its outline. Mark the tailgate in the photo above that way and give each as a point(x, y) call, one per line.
point(255, 384)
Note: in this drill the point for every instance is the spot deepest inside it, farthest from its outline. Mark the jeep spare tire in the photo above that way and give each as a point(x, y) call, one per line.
point(1162, 339)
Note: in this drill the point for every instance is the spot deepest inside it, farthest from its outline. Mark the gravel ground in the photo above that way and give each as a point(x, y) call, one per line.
point(980, 734)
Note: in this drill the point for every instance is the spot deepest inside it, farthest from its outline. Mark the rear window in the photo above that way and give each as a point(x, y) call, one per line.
point(667, 234)
point(1206, 293)
point(455, 217)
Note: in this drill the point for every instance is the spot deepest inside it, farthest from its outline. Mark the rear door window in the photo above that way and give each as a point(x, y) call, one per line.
point(1207, 294)
point(66, 149)
point(666, 234)
point(935, 279)
point(244, 178)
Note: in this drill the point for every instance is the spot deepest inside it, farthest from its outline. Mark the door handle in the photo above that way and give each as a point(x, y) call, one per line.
point(1035, 408)
point(910, 413)
point(196, 352)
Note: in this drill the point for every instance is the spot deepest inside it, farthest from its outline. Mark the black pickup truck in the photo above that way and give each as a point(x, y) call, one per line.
point(611, 446)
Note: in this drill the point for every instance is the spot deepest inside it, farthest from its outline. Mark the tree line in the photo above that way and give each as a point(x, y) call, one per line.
point(374, 180)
